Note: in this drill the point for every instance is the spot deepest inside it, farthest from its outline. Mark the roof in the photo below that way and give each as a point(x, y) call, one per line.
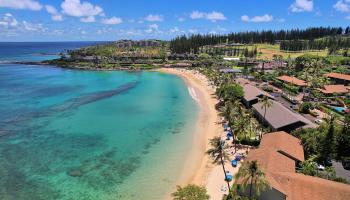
point(338, 76)
point(280, 170)
point(251, 92)
point(330, 89)
point(230, 70)
point(284, 142)
point(279, 116)
point(230, 59)
point(292, 80)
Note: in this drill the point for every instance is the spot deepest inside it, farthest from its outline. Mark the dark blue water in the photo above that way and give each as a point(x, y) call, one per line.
point(37, 51)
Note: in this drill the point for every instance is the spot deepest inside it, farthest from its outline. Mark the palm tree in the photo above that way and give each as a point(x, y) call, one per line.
point(251, 175)
point(265, 103)
point(218, 154)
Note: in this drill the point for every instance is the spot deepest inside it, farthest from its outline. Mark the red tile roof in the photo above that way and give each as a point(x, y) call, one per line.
point(338, 76)
point(277, 154)
point(292, 80)
point(331, 89)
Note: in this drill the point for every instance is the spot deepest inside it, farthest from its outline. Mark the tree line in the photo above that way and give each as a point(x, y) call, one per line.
point(192, 43)
point(334, 43)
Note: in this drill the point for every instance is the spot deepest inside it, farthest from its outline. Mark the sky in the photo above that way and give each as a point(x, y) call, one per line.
point(109, 20)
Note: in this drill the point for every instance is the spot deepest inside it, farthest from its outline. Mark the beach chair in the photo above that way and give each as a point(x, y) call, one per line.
point(234, 163)
point(228, 176)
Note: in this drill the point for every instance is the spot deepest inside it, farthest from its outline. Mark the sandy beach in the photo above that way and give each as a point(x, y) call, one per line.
point(199, 169)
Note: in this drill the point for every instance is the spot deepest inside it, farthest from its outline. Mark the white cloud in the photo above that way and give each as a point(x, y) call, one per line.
point(55, 15)
point(153, 28)
point(88, 19)
point(215, 16)
point(212, 16)
point(302, 6)
point(8, 21)
point(21, 4)
point(112, 21)
point(33, 27)
point(342, 6)
point(154, 18)
point(76, 8)
point(197, 15)
point(256, 19)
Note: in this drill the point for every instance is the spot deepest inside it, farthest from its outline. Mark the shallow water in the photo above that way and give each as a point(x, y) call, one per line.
point(68, 134)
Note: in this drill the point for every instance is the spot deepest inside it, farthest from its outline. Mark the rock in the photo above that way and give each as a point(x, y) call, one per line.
point(75, 172)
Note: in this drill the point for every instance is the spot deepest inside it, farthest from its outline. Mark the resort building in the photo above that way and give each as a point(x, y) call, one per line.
point(339, 78)
point(252, 95)
point(141, 43)
point(334, 90)
point(278, 155)
point(272, 65)
point(292, 81)
point(231, 71)
point(280, 118)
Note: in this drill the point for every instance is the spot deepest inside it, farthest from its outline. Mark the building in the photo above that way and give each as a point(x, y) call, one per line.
point(272, 65)
point(292, 81)
point(252, 95)
point(280, 118)
point(140, 43)
point(278, 155)
point(339, 78)
point(334, 89)
point(231, 71)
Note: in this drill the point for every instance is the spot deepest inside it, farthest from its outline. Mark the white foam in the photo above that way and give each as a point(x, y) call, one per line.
point(193, 93)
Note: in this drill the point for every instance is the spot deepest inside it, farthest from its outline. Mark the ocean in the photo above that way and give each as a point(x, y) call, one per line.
point(70, 134)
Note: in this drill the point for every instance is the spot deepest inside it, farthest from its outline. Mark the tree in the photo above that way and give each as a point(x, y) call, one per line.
point(305, 107)
point(190, 192)
point(343, 140)
point(251, 175)
point(265, 103)
point(327, 152)
point(309, 167)
point(218, 154)
point(230, 91)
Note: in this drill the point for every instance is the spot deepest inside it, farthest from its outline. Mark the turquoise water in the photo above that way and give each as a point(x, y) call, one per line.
point(68, 134)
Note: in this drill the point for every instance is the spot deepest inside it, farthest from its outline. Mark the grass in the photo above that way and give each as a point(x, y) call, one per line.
point(236, 67)
point(266, 51)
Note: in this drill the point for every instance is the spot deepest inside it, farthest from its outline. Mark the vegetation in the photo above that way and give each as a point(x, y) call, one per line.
point(190, 192)
point(191, 44)
point(252, 179)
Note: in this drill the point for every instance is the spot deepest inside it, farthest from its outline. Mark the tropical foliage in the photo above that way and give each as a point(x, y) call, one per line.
point(190, 192)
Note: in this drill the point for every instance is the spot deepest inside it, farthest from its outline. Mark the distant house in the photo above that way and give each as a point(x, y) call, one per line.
point(292, 81)
point(339, 78)
point(231, 71)
point(231, 59)
point(278, 155)
point(252, 95)
point(280, 118)
point(140, 43)
point(334, 89)
point(272, 65)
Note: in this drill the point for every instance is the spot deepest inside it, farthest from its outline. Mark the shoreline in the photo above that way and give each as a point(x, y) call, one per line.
point(198, 166)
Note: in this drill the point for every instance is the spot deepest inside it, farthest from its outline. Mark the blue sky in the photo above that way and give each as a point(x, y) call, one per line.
point(75, 20)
